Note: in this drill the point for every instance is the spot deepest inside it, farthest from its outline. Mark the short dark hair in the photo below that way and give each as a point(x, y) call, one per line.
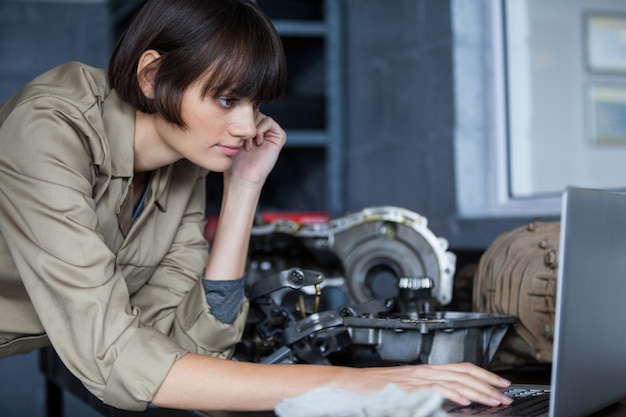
point(231, 41)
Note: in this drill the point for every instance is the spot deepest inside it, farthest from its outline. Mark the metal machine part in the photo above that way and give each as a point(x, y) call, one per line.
point(363, 289)
point(517, 275)
point(390, 331)
point(434, 338)
point(364, 253)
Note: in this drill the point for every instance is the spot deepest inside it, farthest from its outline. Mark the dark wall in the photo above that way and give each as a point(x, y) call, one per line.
point(400, 116)
point(35, 36)
point(399, 148)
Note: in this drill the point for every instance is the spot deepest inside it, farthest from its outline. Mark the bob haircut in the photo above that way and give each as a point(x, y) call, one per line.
point(230, 44)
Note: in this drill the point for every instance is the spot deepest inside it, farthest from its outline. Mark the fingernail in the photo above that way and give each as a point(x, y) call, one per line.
point(505, 382)
point(506, 400)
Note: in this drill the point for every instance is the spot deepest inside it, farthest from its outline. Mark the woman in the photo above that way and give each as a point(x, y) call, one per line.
point(102, 204)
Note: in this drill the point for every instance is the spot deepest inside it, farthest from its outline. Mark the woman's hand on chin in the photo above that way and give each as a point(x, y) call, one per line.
point(260, 154)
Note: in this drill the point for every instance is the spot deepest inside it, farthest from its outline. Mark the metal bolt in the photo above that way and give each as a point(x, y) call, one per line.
point(551, 259)
point(346, 312)
point(296, 276)
point(548, 331)
point(387, 231)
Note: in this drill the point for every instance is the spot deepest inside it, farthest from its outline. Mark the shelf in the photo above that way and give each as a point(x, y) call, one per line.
point(295, 112)
point(297, 28)
point(307, 138)
point(301, 10)
point(308, 174)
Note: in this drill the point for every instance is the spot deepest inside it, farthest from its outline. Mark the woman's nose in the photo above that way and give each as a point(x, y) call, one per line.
point(244, 125)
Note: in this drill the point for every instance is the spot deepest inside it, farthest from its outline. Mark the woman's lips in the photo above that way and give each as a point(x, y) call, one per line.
point(230, 150)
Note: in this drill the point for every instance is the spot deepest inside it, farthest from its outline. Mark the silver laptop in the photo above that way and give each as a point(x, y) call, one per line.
point(589, 356)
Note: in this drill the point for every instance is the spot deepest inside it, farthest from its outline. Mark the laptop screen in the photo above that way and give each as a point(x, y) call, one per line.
point(589, 363)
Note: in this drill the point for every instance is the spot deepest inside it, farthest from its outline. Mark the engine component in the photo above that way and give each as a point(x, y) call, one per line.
point(362, 289)
point(382, 331)
point(434, 338)
point(517, 275)
point(364, 253)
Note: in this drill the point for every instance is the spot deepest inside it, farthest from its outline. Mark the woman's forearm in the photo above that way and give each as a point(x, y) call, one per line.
point(206, 383)
point(232, 237)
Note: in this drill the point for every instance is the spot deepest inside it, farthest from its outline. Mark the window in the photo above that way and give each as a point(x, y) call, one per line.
point(554, 78)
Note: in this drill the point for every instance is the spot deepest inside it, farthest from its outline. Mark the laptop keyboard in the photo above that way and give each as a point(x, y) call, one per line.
point(526, 402)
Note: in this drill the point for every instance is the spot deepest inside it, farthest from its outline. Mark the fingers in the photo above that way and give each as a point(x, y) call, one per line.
point(477, 372)
point(461, 395)
point(268, 130)
point(464, 383)
point(261, 151)
point(265, 126)
point(449, 393)
point(476, 393)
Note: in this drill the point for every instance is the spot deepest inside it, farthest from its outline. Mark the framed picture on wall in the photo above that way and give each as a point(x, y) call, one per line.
point(606, 43)
point(607, 113)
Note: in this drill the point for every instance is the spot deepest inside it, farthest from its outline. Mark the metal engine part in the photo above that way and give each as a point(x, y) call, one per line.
point(388, 331)
point(362, 289)
point(517, 275)
point(364, 253)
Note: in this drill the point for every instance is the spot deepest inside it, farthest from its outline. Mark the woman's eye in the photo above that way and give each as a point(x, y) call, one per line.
point(226, 101)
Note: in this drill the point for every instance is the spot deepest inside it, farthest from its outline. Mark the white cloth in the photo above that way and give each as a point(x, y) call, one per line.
point(391, 402)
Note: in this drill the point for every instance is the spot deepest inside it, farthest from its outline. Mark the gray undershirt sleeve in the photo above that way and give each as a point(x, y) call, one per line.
point(225, 298)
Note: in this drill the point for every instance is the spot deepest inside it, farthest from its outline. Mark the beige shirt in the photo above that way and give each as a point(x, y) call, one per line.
point(118, 302)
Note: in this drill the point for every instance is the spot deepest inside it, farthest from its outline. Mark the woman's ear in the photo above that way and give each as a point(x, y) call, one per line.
point(146, 71)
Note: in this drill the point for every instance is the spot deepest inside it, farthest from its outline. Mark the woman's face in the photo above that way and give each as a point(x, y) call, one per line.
point(216, 128)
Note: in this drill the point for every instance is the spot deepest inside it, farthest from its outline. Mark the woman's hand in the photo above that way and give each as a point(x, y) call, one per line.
point(260, 152)
point(462, 383)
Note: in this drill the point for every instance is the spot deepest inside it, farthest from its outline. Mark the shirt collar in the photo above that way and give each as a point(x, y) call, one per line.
point(119, 124)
